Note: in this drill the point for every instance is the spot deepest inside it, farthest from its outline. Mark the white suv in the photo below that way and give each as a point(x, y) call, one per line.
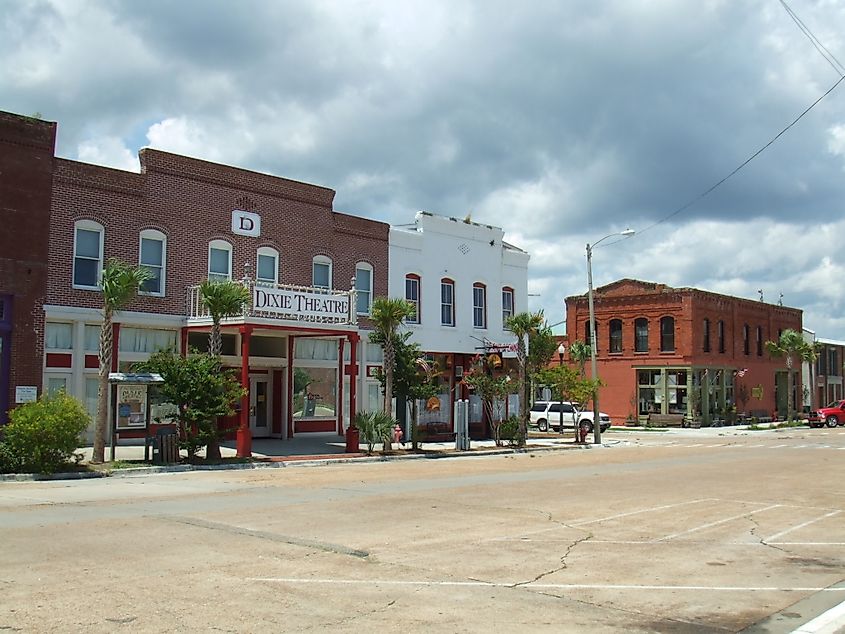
point(547, 414)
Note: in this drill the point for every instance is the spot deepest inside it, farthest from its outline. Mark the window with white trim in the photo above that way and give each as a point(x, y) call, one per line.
point(479, 305)
point(412, 296)
point(321, 272)
point(363, 287)
point(87, 254)
point(447, 302)
point(219, 261)
point(58, 336)
point(152, 257)
point(267, 266)
point(507, 305)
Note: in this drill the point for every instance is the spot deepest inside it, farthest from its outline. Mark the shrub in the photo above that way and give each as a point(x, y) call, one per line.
point(41, 436)
point(509, 430)
point(374, 427)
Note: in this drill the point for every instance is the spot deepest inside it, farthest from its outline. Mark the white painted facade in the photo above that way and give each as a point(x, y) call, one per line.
point(468, 253)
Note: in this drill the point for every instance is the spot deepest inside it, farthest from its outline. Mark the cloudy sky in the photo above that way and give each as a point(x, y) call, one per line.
point(561, 122)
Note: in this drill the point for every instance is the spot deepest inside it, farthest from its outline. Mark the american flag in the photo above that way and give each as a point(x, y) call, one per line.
point(742, 372)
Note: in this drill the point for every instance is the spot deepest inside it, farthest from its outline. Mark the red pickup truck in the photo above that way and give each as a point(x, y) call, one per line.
point(832, 415)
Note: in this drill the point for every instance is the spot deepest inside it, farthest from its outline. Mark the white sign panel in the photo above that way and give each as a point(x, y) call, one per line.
point(246, 223)
point(26, 393)
point(300, 303)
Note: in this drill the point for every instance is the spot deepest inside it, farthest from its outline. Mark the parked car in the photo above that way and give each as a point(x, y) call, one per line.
point(547, 414)
point(832, 415)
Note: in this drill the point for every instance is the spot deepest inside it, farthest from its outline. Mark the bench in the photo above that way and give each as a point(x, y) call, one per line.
point(435, 432)
point(666, 420)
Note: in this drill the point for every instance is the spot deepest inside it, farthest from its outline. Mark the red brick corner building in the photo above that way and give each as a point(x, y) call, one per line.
point(297, 348)
point(684, 352)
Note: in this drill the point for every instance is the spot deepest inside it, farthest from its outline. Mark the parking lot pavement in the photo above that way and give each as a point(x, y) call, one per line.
point(645, 539)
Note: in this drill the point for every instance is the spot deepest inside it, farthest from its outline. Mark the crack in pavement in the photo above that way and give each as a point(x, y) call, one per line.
point(762, 540)
point(284, 539)
point(562, 565)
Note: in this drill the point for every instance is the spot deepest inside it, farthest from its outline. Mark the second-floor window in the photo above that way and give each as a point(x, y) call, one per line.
point(153, 255)
point(412, 296)
point(616, 335)
point(321, 272)
point(219, 260)
point(87, 254)
point(641, 335)
point(746, 339)
point(507, 305)
point(479, 306)
point(267, 266)
point(667, 334)
point(706, 328)
point(720, 333)
point(588, 336)
point(759, 341)
point(364, 287)
point(447, 302)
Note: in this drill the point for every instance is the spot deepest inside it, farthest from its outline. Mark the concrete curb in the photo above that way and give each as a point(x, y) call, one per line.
point(303, 462)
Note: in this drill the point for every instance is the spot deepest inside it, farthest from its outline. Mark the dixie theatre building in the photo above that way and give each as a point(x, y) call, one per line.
point(312, 274)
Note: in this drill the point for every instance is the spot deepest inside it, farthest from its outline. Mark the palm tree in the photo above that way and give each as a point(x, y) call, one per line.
point(221, 299)
point(119, 283)
point(791, 346)
point(387, 315)
point(523, 325)
point(579, 352)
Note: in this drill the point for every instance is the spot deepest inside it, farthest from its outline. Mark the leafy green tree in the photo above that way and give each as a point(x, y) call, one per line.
point(580, 352)
point(120, 281)
point(201, 391)
point(792, 347)
point(387, 315)
point(221, 300)
point(413, 378)
point(42, 436)
point(524, 326)
point(489, 388)
point(571, 385)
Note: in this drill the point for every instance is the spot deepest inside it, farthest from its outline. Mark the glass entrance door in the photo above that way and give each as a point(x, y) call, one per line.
point(259, 407)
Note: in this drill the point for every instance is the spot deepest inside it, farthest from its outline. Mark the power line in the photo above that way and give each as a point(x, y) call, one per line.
point(829, 57)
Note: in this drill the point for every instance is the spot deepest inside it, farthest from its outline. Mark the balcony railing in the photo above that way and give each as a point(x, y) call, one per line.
point(284, 302)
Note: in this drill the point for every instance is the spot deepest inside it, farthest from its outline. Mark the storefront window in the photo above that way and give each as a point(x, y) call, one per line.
point(315, 392)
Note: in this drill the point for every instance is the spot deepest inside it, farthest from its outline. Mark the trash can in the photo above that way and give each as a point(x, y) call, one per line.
point(165, 446)
point(352, 439)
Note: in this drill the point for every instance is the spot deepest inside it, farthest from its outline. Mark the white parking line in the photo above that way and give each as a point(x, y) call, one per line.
point(778, 446)
point(830, 621)
point(557, 586)
point(727, 519)
point(795, 528)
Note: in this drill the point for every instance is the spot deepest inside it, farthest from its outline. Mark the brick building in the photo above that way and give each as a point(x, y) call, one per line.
point(26, 162)
point(684, 351)
point(297, 347)
point(828, 372)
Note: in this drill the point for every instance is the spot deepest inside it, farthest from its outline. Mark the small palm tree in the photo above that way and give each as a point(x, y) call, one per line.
point(523, 325)
point(387, 315)
point(221, 299)
point(119, 283)
point(791, 346)
point(579, 352)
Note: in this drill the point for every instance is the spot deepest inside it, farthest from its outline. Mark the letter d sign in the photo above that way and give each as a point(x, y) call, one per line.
point(246, 223)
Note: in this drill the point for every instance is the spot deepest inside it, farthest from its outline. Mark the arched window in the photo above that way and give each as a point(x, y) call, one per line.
point(363, 287)
point(507, 305)
point(746, 339)
point(219, 260)
point(759, 341)
point(152, 256)
point(615, 335)
point(412, 296)
point(667, 334)
point(641, 335)
point(720, 333)
point(706, 328)
point(447, 302)
point(321, 272)
point(588, 336)
point(479, 305)
point(87, 254)
point(267, 266)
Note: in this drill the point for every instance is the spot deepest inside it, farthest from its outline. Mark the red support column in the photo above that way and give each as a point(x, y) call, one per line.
point(353, 375)
point(340, 374)
point(244, 436)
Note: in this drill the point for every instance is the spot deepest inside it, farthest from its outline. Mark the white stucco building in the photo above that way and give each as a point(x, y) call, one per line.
point(465, 280)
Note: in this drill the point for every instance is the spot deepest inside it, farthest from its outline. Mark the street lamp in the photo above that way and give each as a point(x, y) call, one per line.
point(561, 349)
point(596, 422)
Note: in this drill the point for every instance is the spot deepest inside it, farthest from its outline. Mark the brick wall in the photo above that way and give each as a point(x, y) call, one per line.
point(26, 165)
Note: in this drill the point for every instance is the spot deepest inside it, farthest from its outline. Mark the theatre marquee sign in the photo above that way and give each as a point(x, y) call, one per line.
point(297, 303)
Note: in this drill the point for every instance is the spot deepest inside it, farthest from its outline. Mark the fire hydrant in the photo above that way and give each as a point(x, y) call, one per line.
point(397, 434)
point(583, 430)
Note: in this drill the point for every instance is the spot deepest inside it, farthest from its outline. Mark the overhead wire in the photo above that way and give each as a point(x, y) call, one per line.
point(829, 57)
